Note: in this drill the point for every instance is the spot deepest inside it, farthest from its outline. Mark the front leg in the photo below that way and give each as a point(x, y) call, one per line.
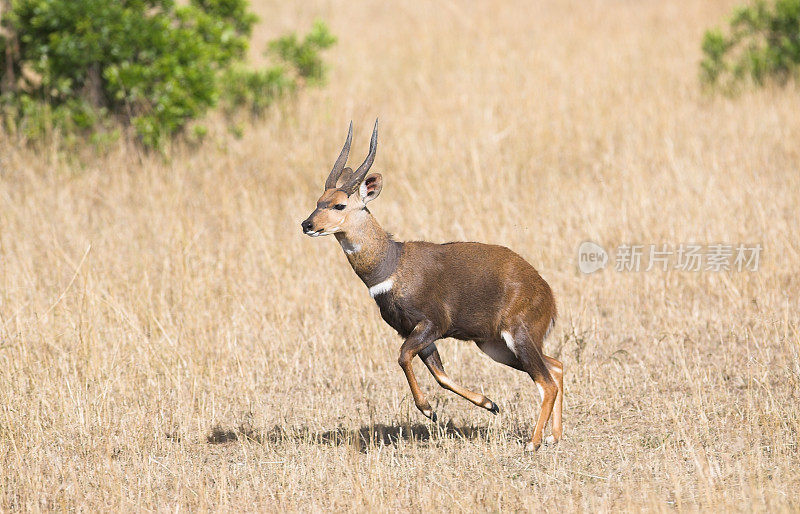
point(430, 356)
point(423, 335)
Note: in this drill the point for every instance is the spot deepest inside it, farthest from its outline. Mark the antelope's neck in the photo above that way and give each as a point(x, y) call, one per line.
point(372, 253)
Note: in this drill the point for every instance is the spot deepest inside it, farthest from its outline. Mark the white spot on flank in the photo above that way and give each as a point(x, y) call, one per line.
point(381, 287)
point(509, 341)
point(549, 328)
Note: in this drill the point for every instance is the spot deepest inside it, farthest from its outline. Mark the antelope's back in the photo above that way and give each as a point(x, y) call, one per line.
point(470, 287)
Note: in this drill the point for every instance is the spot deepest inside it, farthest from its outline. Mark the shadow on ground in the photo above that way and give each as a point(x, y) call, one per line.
point(362, 438)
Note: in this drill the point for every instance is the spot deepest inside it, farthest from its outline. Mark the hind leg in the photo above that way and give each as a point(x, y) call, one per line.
point(556, 370)
point(430, 356)
point(549, 392)
point(530, 356)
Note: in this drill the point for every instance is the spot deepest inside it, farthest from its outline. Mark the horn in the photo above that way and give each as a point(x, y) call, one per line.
point(361, 172)
point(340, 162)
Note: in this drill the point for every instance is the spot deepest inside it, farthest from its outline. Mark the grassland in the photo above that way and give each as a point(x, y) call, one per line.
point(171, 341)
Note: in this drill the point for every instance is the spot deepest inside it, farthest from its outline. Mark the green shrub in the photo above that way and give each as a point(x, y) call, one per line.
point(305, 55)
point(258, 88)
point(80, 66)
point(763, 43)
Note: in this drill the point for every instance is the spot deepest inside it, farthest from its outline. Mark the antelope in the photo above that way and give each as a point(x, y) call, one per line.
point(425, 291)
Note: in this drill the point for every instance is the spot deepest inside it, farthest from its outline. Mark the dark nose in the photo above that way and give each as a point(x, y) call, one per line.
point(306, 225)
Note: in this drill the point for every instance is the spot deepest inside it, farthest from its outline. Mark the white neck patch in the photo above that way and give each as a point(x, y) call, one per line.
point(348, 247)
point(381, 287)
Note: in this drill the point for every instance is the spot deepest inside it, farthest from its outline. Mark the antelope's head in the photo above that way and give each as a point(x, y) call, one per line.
point(347, 192)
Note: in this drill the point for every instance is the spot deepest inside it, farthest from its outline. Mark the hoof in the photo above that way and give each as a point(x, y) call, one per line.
point(531, 447)
point(429, 413)
point(494, 409)
point(550, 440)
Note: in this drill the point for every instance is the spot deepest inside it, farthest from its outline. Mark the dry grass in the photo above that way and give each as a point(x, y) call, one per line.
point(171, 341)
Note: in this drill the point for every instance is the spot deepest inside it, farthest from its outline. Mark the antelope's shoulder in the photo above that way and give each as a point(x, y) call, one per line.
point(419, 262)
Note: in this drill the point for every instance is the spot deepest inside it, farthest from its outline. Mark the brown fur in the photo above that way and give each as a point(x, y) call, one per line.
point(464, 290)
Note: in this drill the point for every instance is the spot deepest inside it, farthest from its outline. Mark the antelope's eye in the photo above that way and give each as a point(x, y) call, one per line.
point(339, 206)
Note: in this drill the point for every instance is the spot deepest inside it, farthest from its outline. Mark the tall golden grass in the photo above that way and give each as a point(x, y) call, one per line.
point(171, 341)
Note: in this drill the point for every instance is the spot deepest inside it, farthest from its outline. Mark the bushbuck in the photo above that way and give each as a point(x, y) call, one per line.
point(426, 291)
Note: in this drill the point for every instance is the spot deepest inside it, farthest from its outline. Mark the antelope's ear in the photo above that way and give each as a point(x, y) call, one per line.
point(371, 187)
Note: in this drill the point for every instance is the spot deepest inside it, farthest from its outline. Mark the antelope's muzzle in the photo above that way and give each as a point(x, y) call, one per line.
point(308, 228)
point(307, 225)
